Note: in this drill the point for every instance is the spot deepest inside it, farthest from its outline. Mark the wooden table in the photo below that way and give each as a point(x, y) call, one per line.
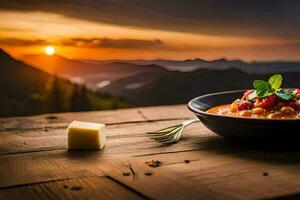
point(35, 163)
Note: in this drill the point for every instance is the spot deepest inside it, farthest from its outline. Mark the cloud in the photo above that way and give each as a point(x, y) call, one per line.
point(113, 43)
point(22, 42)
point(88, 43)
point(278, 18)
point(14, 29)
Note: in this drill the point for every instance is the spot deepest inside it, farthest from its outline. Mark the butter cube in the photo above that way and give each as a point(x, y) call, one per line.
point(86, 135)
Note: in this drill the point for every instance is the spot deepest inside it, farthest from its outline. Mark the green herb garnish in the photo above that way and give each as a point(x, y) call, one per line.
point(285, 94)
point(275, 81)
point(264, 89)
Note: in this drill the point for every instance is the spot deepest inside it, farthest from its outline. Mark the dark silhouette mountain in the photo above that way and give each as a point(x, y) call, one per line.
point(96, 74)
point(93, 71)
point(219, 64)
point(155, 82)
point(27, 90)
point(88, 71)
point(179, 87)
point(65, 66)
point(173, 65)
point(18, 80)
point(222, 64)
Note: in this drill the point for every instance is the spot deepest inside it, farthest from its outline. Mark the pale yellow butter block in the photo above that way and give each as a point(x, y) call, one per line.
point(86, 135)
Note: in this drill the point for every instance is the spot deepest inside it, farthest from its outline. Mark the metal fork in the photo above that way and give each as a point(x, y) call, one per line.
point(171, 134)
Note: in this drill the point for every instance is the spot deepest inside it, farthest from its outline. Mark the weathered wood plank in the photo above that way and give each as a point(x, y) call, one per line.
point(126, 139)
point(36, 169)
point(157, 183)
point(20, 166)
point(62, 119)
point(83, 188)
point(54, 120)
point(24, 168)
point(248, 175)
point(209, 170)
point(35, 161)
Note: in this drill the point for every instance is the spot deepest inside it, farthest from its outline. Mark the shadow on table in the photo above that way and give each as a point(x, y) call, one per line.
point(280, 152)
point(79, 154)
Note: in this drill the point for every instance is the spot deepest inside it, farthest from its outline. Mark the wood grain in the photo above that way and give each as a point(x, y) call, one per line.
point(35, 164)
point(123, 139)
point(61, 120)
point(79, 188)
point(245, 175)
point(235, 175)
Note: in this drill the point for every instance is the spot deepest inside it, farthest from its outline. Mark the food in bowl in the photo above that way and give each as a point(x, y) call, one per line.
point(266, 100)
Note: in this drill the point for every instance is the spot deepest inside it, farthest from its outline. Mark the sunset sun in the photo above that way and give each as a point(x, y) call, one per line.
point(49, 50)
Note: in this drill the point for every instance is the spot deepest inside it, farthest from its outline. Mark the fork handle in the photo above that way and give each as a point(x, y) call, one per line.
point(188, 122)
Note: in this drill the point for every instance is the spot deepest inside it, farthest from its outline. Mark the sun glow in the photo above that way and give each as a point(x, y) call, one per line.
point(49, 50)
point(41, 32)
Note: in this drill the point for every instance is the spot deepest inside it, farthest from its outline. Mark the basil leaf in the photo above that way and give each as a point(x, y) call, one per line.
point(285, 95)
point(262, 88)
point(275, 81)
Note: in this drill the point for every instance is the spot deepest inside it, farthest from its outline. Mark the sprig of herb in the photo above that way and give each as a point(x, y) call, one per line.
point(275, 81)
point(285, 94)
point(264, 89)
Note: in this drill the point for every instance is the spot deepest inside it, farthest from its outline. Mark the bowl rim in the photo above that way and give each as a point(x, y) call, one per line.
point(201, 112)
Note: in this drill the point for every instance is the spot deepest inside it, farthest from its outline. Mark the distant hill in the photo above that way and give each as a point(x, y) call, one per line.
point(219, 64)
point(18, 80)
point(26, 90)
point(186, 79)
point(179, 87)
point(84, 68)
point(88, 72)
point(155, 82)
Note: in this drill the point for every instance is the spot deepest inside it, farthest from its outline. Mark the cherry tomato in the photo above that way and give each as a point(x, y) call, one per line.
point(297, 91)
point(293, 104)
point(268, 102)
point(244, 105)
point(246, 94)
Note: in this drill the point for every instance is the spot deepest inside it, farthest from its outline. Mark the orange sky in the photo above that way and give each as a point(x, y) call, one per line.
point(24, 33)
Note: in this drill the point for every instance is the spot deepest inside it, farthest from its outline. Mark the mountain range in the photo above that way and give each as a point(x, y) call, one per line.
point(190, 65)
point(155, 82)
point(40, 83)
point(26, 90)
point(91, 73)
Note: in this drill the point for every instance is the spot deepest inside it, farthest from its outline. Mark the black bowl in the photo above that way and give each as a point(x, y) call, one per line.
point(238, 128)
